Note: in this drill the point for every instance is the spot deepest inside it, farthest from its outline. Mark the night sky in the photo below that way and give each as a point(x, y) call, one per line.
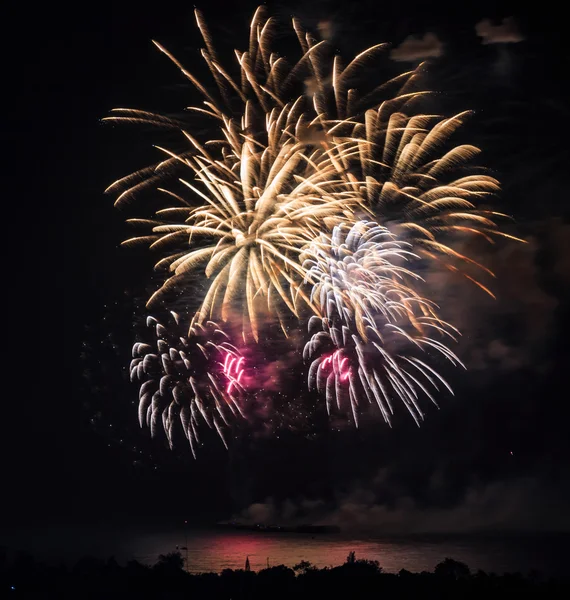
point(496, 455)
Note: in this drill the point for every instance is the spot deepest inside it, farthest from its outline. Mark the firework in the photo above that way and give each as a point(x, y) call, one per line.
point(266, 193)
point(283, 171)
point(185, 379)
point(359, 273)
point(366, 346)
point(412, 178)
point(233, 370)
point(315, 202)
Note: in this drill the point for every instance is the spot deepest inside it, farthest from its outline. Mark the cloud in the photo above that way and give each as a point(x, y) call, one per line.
point(513, 330)
point(517, 504)
point(520, 504)
point(414, 48)
point(507, 32)
point(326, 29)
point(260, 512)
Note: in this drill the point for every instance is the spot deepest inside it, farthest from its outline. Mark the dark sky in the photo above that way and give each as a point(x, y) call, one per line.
point(495, 456)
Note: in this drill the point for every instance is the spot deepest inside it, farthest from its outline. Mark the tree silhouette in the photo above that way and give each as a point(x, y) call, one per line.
point(361, 566)
point(452, 569)
point(304, 566)
point(170, 563)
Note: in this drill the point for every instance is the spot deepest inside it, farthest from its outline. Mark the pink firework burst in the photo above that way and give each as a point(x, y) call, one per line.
point(233, 370)
point(338, 364)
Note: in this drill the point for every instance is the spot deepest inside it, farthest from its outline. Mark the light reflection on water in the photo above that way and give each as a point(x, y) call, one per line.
point(215, 550)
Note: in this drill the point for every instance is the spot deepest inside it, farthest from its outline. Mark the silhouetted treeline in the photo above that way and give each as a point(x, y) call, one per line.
point(356, 578)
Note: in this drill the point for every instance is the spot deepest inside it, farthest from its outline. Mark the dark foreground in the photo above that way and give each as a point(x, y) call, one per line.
point(356, 578)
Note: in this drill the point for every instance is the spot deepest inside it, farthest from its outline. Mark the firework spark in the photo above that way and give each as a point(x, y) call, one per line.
point(375, 323)
point(185, 379)
point(283, 171)
point(266, 192)
point(410, 176)
point(233, 370)
point(269, 220)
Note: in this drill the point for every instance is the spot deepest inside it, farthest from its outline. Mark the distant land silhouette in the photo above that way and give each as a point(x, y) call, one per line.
point(261, 527)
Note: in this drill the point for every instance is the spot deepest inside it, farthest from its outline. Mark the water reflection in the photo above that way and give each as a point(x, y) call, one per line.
point(215, 551)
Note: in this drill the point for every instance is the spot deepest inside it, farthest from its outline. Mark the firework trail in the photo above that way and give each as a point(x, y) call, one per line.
point(375, 324)
point(266, 192)
point(271, 218)
point(409, 177)
point(359, 273)
point(187, 378)
point(283, 171)
point(233, 370)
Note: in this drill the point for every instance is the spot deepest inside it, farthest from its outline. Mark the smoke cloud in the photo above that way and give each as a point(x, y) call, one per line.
point(506, 32)
point(414, 48)
point(513, 329)
point(520, 504)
